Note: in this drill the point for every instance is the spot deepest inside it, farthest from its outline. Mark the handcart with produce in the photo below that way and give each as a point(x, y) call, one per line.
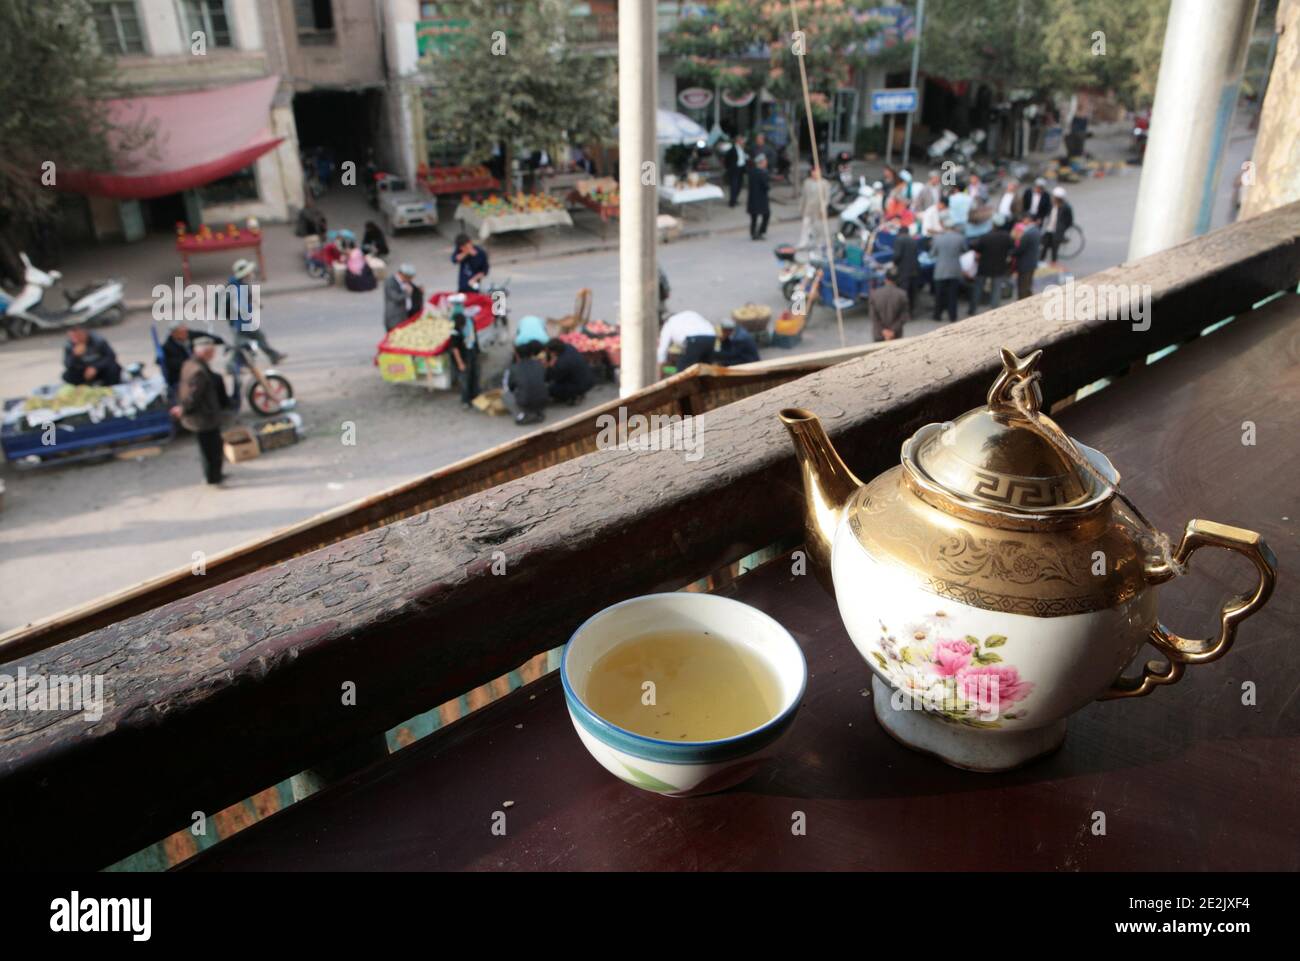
point(416, 352)
point(63, 423)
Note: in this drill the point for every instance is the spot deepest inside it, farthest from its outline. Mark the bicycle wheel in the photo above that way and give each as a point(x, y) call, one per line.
point(1072, 243)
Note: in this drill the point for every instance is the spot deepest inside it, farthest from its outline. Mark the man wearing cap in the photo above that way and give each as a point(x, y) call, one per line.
point(200, 400)
point(738, 345)
point(401, 297)
point(175, 351)
point(887, 306)
point(242, 316)
point(1036, 202)
point(1058, 220)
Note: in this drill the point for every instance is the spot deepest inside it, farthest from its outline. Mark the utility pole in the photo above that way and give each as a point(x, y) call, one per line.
point(916, 63)
point(1200, 79)
point(638, 179)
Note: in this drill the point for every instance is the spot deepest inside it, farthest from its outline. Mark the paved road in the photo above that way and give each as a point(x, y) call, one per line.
point(68, 535)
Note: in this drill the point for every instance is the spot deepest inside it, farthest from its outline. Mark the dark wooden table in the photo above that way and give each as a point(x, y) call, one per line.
point(1189, 778)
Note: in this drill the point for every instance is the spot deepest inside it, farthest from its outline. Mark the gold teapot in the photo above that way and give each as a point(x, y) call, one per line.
point(997, 580)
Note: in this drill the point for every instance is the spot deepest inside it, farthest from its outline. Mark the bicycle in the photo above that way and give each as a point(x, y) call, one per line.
point(1072, 243)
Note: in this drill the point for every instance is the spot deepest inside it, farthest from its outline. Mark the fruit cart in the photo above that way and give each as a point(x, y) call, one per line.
point(497, 215)
point(600, 345)
point(62, 422)
point(600, 196)
point(209, 241)
point(416, 351)
point(455, 180)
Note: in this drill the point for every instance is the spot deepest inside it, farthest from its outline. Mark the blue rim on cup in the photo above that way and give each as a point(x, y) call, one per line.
point(681, 768)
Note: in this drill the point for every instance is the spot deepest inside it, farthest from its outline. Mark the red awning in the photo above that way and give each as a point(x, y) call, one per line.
point(199, 137)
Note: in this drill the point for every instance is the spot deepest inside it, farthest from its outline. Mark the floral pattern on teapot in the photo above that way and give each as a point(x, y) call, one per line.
point(952, 674)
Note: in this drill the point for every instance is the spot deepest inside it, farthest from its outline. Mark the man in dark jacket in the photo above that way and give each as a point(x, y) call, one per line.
point(464, 350)
point(176, 350)
point(200, 400)
point(87, 359)
point(568, 375)
point(738, 345)
point(402, 298)
point(757, 205)
point(887, 305)
point(734, 162)
point(907, 265)
point(994, 252)
point(473, 263)
point(1059, 219)
point(1036, 201)
point(525, 385)
point(1027, 257)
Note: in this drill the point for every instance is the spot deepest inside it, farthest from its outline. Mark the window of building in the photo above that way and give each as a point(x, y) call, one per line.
point(209, 18)
point(315, 20)
point(238, 187)
point(117, 22)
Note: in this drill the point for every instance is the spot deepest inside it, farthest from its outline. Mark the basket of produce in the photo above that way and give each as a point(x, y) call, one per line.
point(278, 432)
point(753, 317)
point(598, 328)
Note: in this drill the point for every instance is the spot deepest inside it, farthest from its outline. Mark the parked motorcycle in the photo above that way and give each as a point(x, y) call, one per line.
point(269, 391)
point(96, 304)
point(863, 214)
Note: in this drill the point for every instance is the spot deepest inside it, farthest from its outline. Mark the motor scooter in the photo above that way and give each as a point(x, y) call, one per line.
point(863, 214)
point(96, 304)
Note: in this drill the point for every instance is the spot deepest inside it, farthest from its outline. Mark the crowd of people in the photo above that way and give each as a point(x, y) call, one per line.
point(979, 242)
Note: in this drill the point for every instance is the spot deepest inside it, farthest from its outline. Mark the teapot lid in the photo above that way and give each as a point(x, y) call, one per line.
point(1008, 458)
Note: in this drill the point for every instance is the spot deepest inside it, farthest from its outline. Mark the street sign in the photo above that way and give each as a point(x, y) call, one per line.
point(901, 100)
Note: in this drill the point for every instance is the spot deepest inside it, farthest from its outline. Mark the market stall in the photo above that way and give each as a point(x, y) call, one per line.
point(693, 190)
point(60, 422)
point(497, 215)
point(415, 351)
point(453, 180)
point(600, 345)
point(208, 241)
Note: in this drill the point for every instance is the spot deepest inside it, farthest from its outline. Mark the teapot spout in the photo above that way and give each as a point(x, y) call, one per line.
point(827, 484)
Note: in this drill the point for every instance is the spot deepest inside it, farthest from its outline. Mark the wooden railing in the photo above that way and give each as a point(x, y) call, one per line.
point(694, 391)
point(217, 695)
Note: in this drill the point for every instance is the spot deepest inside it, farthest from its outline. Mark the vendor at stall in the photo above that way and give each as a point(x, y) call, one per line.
point(473, 262)
point(88, 359)
point(402, 298)
point(568, 375)
point(690, 331)
point(738, 345)
point(525, 384)
point(464, 350)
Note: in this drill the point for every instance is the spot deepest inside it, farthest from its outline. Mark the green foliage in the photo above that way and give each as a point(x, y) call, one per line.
point(1049, 46)
point(53, 73)
point(539, 92)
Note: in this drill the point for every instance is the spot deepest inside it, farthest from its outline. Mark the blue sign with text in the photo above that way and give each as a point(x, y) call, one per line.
point(903, 100)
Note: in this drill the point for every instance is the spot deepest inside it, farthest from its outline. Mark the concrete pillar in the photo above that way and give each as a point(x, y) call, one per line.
point(638, 279)
point(1274, 179)
point(1200, 76)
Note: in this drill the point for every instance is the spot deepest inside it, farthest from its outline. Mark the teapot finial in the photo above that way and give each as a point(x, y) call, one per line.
point(1016, 371)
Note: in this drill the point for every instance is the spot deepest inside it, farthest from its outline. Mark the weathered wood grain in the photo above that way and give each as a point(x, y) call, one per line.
point(222, 693)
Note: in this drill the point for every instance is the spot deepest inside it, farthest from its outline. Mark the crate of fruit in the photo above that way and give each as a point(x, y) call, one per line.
point(278, 432)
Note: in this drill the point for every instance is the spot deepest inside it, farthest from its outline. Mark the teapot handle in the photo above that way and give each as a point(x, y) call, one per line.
point(1182, 651)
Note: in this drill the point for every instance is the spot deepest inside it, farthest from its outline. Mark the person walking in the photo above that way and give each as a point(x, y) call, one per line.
point(734, 161)
point(464, 350)
point(887, 306)
point(401, 297)
point(757, 204)
point(946, 248)
point(200, 400)
point(1059, 219)
point(816, 194)
point(1027, 255)
point(994, 252)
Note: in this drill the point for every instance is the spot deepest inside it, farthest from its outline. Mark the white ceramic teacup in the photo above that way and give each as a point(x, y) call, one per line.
point(681, 768)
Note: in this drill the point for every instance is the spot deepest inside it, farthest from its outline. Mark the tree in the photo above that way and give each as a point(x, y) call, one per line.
point(511, 77)
point(54, 71)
